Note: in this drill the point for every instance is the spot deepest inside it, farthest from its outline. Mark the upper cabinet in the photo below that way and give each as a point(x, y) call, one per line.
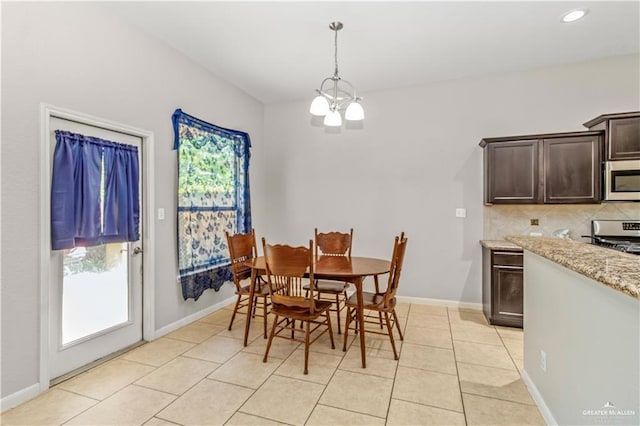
point(511, 172)
point(555, 168)
point(622, 134)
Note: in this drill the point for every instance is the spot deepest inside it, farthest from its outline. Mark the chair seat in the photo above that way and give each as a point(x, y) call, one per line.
point(300, 313)
point(263, 292)
point(373, 301)
point(329, 287)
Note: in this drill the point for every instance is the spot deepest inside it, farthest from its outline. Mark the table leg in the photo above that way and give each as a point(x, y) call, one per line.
point(360, 313)
point(252, 292)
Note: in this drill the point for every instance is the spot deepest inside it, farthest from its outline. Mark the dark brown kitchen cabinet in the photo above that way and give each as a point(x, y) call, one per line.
point(571, 170)
point(555, 168)
point(511, 172)
point(622, 134)
point(502, 283)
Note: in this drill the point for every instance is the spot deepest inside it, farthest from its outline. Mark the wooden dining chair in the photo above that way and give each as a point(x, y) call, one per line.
point(243, 247)
point(333, 244)
point(380, 302)
point(287, 271)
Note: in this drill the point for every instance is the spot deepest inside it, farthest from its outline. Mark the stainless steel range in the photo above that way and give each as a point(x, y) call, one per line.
point(622, 235)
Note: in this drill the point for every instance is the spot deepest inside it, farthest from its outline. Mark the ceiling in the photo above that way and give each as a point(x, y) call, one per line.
point(280, 51)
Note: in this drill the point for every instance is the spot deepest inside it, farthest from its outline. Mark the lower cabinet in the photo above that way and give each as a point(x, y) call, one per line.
point(502, 284)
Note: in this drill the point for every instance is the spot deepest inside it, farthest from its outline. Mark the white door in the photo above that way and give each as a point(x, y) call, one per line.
point(95, 294)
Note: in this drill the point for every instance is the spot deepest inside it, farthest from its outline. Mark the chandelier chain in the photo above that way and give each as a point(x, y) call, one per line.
point(335, 55)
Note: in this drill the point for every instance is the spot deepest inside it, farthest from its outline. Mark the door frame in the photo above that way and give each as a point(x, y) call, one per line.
point(148, 266)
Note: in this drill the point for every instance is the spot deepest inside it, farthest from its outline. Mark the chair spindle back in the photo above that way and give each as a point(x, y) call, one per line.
point(397, 260)
point(333, 243)
point(289, 269)
point(242, 247)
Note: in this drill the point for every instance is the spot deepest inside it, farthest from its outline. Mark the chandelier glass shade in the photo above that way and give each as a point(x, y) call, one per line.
point(336, 94)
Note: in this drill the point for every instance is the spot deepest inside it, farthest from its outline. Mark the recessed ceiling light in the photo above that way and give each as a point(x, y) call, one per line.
point(574, 15)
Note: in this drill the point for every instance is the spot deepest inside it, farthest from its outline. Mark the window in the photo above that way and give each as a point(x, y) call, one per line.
point(213, 197)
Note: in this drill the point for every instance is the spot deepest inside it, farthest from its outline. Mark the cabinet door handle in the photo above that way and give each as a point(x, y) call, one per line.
point(506, 267)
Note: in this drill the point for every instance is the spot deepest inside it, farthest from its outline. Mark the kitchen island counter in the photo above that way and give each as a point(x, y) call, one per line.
point(500, 245)
point(581, 331)
point(620, 271)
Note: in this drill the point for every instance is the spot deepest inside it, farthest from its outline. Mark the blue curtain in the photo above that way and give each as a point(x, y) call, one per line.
point(213, 197)
point(94, 192)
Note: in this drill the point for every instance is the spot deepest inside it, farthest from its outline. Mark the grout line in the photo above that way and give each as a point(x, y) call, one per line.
point(429, 405)
point(455, 360)
point(202, 380)
point(400, 350)
point(510, 356)
point(255, 415)
point(164, 420)
point(351, 411)
point(82, 395)
point(282, 361)
point(533, 404)
point(332, 375)
point(489, 366)
point(229, 383)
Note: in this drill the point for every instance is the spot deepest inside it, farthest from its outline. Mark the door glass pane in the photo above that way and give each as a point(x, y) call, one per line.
point(95, 292)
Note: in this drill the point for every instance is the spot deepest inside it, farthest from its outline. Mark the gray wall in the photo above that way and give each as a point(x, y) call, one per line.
point(591, 336)
point(78, 56)
point(417, 159)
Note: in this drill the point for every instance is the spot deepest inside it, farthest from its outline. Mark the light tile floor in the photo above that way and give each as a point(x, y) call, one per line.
point(453, 369)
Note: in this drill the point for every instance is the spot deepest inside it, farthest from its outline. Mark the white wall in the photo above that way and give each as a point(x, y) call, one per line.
point(417, 159)
point(79, 56)
point(591, 336)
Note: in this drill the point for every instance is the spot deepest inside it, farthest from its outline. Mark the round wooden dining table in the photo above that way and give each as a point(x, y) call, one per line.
point(339, 268)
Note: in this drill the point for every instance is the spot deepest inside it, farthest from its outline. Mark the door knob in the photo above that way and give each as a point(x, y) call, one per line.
point(137, 250)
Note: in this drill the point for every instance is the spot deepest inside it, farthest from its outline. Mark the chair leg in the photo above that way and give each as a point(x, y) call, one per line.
point(338, 310)
point(253, 314)
point(390, 330)
point(375, 281)
point(346, 329)
point(306, 347)
point(273, 332)
point(395, 317)
point(264, 313)
point(328, 314)
point(235, 310)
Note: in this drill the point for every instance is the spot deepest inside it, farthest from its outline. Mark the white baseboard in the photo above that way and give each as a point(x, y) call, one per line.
point(193, 317)
point(439, 302)
point(19, 397)
point(538, 399)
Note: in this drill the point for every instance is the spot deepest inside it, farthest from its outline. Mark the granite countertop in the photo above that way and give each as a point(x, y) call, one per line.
point(500, 245)
point(620, 271)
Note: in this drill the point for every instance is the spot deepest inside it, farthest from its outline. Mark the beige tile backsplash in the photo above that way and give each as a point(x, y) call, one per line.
point(500, 221)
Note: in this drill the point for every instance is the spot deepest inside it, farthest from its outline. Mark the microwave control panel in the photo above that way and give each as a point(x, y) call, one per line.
point(631, 226)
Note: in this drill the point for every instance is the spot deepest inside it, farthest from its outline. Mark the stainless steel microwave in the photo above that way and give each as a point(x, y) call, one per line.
point(622, 180)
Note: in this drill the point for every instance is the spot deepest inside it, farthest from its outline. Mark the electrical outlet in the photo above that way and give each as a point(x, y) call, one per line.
point(535, 222)
point(160, 213)
point(543, 361)
point(461, 212)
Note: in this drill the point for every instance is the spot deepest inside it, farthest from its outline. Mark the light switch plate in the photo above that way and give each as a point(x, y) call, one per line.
point(160, 213)
point(461, 212)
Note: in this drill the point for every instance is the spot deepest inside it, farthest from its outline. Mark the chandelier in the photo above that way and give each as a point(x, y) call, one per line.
point(335, 93)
